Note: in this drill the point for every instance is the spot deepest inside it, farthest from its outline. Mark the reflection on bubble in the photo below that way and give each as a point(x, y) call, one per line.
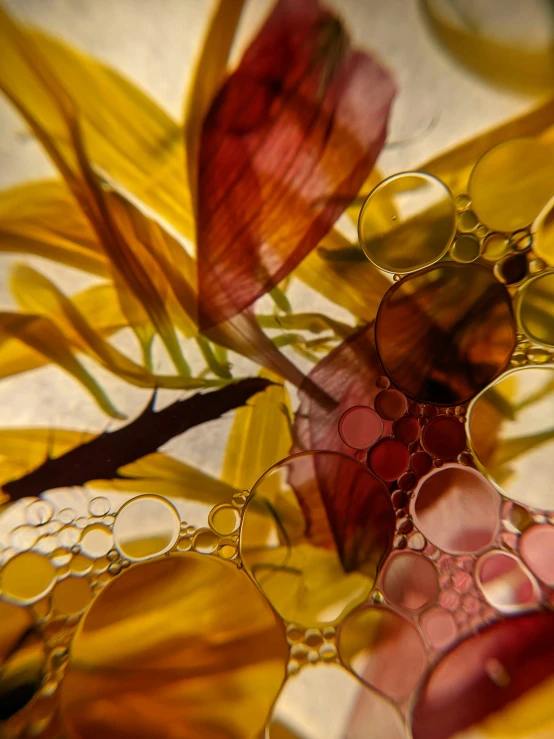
point(407, 222)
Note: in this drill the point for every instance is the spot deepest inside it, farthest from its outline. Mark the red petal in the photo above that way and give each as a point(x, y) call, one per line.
point(346, 377)
point(291, 135)
point(485, 674)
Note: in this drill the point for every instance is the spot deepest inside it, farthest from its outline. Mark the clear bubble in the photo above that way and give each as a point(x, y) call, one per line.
point(96, 541)
point(410, 581)
point(384, 649)
point(99, 506)
point(66, 516)
point(146, 527)
point(407, 222)
point(354, 705)
point(68, 537)
point(523, 416)
point(46, 544)
point(505, 582)
point(23, 537)
point(39, 512)
point(456, 509)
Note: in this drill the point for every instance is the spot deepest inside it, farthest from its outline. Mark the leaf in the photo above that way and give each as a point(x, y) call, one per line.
point(42, 218)
point(316, 323)
point(518, 67)
point(260, 436)
point(102, 456)
point(25, 449)
point(356, 286)
point(174, 268)
point(43, 337)
point(210, 71)
point(40, 96)
point(299, 123)
point(35, 294)
point(128, 138)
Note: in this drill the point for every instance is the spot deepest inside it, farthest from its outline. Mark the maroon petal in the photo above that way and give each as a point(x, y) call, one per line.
point(347, 377)
point(486, 674)
point(292, 134)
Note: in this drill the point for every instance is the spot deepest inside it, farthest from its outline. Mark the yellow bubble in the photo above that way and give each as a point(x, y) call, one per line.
point(511, 184)
point(467, 221)
point(96, 541)
point(495, 246)
point(465, 249)
point(205, 541)
point(224, 519)
point(72, 596)
point(27, 577)
point(146, 527)
point(80, 565)
point(407, 222)
point(534, 310)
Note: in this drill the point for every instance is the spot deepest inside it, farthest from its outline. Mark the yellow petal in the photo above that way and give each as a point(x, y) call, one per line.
point(128, 138)
point(43, 218)
point(454, 166)
point(210, 72)
point(44, 338)
point(164, 475)
point(357, 286)
point(260, 436)
point(36, 294)
point(186, 646)
point(524, 69)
